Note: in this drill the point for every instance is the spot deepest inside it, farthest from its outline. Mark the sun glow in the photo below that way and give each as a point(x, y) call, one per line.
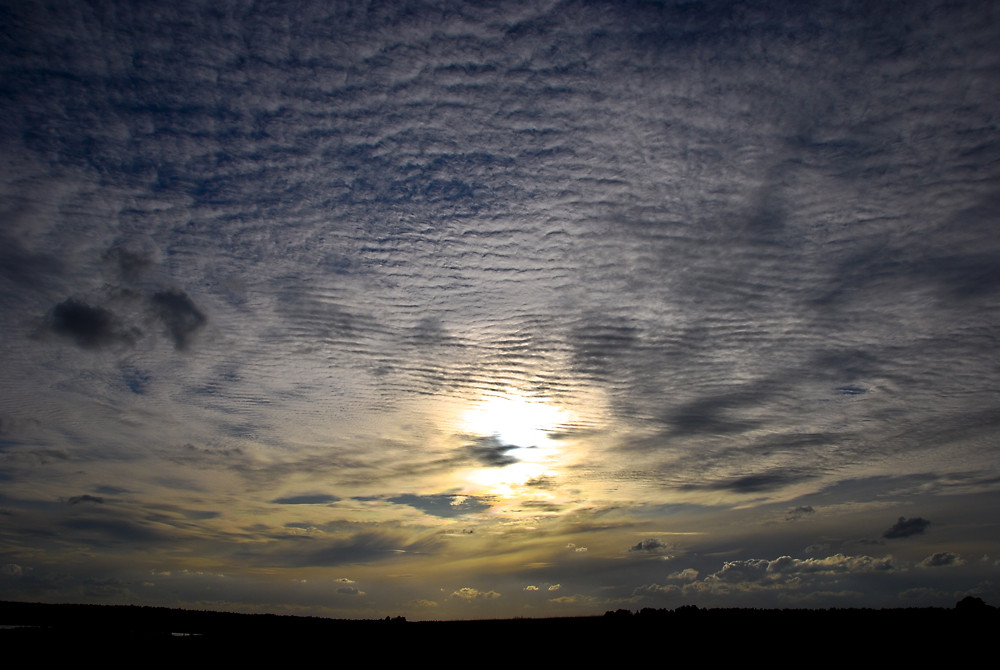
point(515, 420)
point(517, 431)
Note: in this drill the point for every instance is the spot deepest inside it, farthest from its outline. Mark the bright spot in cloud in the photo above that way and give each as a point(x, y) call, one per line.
point(515, 419)
point(522, 427)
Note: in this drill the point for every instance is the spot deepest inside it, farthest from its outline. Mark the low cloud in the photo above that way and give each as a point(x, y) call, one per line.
point(685, 575)
point(471, 594)
point(786, 568)
point(650, 546)
point(906, 527)
point(942, 559)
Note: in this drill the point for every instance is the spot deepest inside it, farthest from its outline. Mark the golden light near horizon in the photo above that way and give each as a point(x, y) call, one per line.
point(521, 427)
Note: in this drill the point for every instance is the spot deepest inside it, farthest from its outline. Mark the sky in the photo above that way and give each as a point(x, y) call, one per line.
point(454, 310)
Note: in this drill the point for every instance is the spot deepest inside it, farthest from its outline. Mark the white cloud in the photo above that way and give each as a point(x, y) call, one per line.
point(470, 594)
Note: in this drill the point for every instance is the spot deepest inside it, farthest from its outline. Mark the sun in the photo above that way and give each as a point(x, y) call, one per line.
point(515, 419)
point(520, 429)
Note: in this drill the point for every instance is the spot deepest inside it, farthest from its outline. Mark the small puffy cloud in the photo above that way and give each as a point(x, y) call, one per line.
point(349, 591)
point(650, 546)
point(470, 594)
point(575, 548)
point(555, 587)
point(942, 559)
point(531, 587)
point(906, 527)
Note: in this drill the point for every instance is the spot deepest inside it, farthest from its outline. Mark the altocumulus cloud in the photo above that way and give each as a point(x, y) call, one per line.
point(750, 249)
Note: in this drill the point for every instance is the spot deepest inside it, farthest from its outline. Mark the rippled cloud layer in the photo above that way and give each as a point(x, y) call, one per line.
point(436, 308)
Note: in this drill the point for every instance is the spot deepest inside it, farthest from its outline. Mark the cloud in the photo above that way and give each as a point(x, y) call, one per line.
point(90, 327)
point(650, 545)
point(942, 559)
point(11, 570)
point(531, 588)
point(785, 569)
point(747, 274)
point(362, 547)
point(490, 451)
point(76, 500)
point(179, 315)
point(130, 260)
point(445, 506)
point(685, 575)
point(555, 587)
point(796, 513)
point(906, 527)
point(471, 594)
point(306, 499)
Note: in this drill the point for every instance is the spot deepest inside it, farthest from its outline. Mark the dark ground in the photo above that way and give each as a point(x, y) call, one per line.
point(811, 637)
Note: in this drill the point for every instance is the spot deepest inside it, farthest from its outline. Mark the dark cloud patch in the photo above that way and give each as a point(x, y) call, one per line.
point(798, 512)
point(718, 414)
point(650, 545)
point(90, 327)
point(365, 547)
point(943, 559)
point(445, 506)
point(490, 451)
point(179, 314)
point(86, 498)
point(110, 490)
point(306, 499)
point(906, 528)
point(851, 389)
point(103, 531)
point(756, 483)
